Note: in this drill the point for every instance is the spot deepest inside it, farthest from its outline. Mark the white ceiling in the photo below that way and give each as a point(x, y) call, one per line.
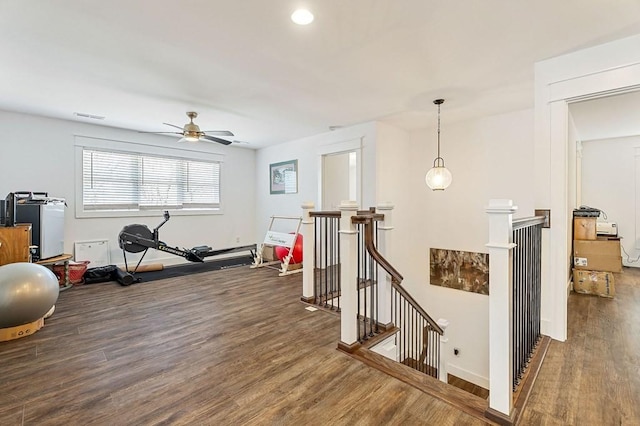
point(244, 66)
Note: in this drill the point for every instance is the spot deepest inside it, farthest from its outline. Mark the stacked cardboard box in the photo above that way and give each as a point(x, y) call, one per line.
point(594, 282)
point(595, 259)
point(584, 228)
point(602, 254)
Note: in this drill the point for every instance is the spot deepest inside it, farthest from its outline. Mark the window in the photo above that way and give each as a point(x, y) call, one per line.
point(127, 181)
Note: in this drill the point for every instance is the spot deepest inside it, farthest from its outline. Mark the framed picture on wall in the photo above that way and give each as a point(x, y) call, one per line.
point(283, 177)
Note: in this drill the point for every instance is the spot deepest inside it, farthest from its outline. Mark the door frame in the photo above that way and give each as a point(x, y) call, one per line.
point(353, 145)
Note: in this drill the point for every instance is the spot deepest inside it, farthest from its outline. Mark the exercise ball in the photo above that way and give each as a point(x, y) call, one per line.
point(296, 255)
point(27, 293)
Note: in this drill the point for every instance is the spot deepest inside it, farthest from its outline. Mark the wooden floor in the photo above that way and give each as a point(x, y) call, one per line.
point(594, 377)
point(237, 347)
point(228, 347)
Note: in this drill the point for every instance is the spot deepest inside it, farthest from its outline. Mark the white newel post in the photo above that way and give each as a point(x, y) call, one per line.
point(385, 247)
point(500, 306)
point(348, 275)
point(443, 374)
point(308, 263)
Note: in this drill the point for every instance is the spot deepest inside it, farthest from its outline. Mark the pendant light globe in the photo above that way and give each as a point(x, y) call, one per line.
point(438, 178)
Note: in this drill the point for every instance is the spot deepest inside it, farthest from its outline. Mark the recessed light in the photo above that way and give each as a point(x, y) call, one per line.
point(302, 17)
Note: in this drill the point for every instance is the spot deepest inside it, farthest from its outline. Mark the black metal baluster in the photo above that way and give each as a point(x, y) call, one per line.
point(405, 320)
point(316, 248)
point(437, 360)
point(414, 338)
point(338, 263)
point(515, 308)
point(377, 295)
point(527, 295)
point(331, 258)
point(372, 295)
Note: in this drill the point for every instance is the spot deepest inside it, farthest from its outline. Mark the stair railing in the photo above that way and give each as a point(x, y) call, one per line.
point(341, 247)
point(514, 302)
point(326, 259)
point(367, 279)
point(527, 284)
point(418, 335)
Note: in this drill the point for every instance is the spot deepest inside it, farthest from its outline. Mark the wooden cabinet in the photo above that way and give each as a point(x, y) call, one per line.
point(14, 244)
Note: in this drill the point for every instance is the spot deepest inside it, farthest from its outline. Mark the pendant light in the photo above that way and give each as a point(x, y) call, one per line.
point(438, 178)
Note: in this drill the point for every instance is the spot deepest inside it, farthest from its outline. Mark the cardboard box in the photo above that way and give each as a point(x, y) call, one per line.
point(594, 282)
point(584, 228)
point(268, 253)
point(602, 254)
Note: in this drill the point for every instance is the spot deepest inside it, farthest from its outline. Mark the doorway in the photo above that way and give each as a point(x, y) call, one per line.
point(340, 179)
point(608, 165)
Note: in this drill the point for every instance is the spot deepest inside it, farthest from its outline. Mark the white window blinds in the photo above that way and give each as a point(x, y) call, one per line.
point(125, 181)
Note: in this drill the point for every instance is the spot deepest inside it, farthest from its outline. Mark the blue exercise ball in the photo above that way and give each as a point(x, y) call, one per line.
point(27, 293)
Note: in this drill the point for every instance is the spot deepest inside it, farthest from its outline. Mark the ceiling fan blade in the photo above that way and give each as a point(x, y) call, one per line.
point(173, 125)
point(219, 132)
point(163, 133)
point(214, 139)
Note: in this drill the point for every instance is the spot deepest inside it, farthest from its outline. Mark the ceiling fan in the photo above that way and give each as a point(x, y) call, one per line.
point(191, 132)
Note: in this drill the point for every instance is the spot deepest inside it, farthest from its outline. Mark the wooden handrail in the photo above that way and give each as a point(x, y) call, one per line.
point(336, 213)
point(396, 277)
point(326, 214)
point(527, 221)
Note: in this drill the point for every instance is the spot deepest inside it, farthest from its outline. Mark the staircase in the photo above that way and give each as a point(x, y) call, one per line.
point(383, 326)
point(376, 311)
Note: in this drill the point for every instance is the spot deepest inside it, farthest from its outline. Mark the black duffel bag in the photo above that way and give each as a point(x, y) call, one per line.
point(100, 274)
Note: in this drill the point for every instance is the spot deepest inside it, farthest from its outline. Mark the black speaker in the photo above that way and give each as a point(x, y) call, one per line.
point(10, 210)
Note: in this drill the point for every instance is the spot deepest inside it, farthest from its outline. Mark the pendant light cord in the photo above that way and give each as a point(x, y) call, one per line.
point(439, 161)
point(439, 131)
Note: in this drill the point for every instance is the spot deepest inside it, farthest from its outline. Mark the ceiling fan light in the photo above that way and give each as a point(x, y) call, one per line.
point(191, 138)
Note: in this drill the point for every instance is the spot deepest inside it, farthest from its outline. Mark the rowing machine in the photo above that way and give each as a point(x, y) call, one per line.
point(138, 238)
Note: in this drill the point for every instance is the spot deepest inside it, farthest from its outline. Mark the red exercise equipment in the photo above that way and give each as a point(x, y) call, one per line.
point(296, 254)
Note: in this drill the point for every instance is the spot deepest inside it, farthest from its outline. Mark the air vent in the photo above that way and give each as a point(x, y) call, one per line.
point(91, 116)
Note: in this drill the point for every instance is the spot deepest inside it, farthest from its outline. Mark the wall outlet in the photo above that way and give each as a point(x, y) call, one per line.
point(237, 239)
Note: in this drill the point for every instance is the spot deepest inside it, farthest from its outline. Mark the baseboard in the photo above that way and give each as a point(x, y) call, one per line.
point(468, 376)
point(501, 418)
point(348, 347)
point(545, 327)
point(308, 300)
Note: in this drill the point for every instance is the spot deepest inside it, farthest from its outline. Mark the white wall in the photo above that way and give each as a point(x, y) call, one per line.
point(610, 181)
point(489, 158)
point(308, 152)
point(38, 155)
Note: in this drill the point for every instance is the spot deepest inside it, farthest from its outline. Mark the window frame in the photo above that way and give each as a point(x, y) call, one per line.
point(188, 153)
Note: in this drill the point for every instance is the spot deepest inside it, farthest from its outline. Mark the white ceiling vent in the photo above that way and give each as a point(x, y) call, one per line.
point(91, 116)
